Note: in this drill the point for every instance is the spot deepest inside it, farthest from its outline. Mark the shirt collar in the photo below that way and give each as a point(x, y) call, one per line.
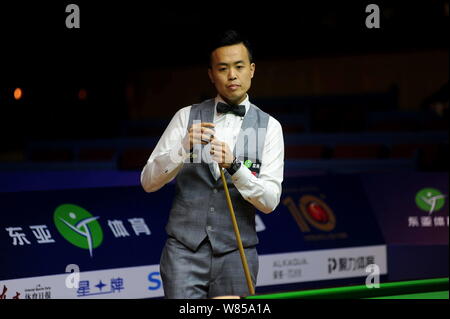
point(218, 99)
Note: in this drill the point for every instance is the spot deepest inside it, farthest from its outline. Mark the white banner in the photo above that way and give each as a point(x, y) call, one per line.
point(119, 283)
point(145, 281)
point(316, 265)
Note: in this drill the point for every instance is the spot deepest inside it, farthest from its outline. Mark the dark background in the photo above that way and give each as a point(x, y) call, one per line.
point(136, 62)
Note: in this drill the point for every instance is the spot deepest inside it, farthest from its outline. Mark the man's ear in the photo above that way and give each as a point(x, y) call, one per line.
point(210, 75)
point(252, 69)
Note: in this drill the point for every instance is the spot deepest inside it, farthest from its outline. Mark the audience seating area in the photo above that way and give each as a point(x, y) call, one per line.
point(333, 134)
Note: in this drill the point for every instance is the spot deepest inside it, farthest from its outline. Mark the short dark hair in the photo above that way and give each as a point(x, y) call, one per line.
point(229, 37)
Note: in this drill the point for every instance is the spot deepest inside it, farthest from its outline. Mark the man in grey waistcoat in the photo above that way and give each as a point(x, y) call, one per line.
point(201, 258)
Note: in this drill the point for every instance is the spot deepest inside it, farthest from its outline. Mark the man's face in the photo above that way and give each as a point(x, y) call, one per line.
point(231, 72)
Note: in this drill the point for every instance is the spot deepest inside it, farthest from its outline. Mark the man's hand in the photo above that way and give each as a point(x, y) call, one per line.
point(221, 153)
point(200, 133)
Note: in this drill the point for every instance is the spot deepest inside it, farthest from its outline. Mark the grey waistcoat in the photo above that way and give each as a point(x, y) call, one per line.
point(200, 208)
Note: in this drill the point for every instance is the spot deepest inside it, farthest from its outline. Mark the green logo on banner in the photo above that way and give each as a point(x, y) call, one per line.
point(430, 200)
point(78, 226)
point(248, 163)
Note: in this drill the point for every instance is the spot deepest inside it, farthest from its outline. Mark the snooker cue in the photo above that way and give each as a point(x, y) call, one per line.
point(238, 236)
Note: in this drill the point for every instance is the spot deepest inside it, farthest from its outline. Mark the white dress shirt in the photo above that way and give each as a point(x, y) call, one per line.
point(262, 192)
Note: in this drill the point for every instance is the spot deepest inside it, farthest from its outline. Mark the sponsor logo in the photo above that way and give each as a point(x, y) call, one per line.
point(38, 292)
point(78, 226)
point(288, 268)
point(101, 288)
point(254, 167)
point(312, 213)
point(317, 213)
point(432, 201)
point(349, 264)
point(154, 278)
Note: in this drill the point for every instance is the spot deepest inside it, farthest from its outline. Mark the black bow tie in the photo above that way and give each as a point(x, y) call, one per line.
point(225, 108)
